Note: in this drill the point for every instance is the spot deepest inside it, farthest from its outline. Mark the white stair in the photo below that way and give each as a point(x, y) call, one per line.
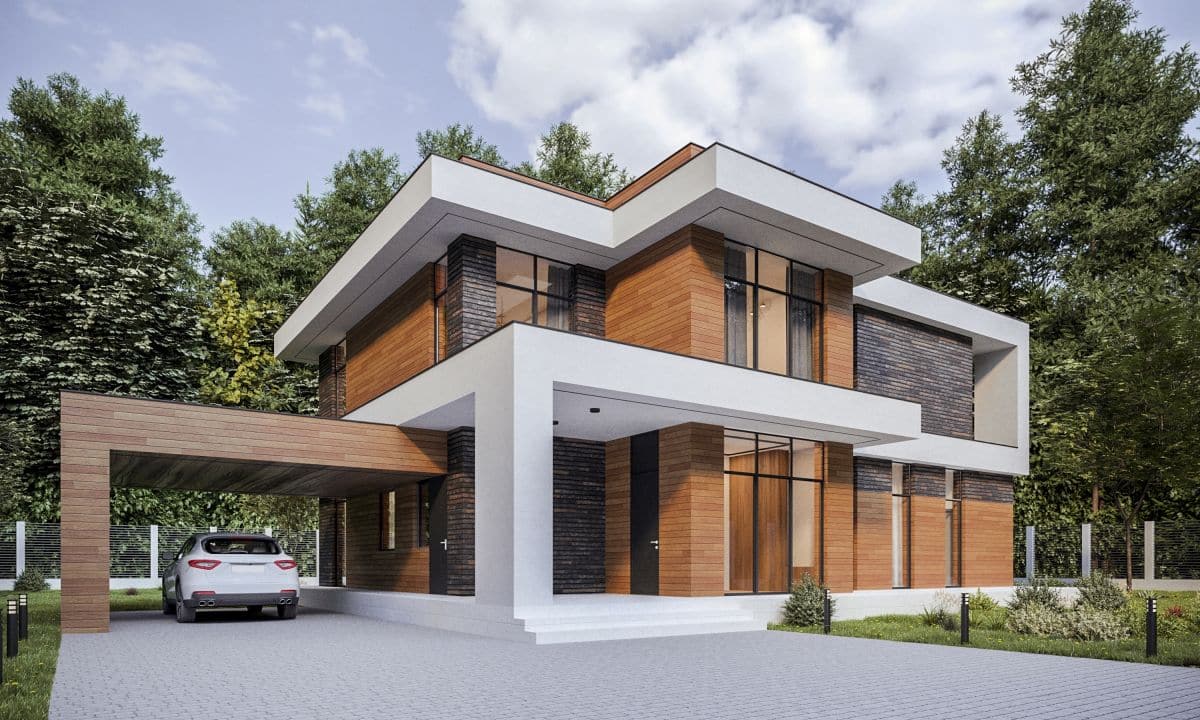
point(639, 623)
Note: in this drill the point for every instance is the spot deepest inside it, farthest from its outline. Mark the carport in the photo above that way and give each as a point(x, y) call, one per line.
point(111, 441)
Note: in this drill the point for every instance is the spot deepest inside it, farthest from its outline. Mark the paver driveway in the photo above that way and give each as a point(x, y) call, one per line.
point(339, 666)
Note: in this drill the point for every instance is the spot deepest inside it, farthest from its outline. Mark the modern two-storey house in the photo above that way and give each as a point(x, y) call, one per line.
point(641, 415)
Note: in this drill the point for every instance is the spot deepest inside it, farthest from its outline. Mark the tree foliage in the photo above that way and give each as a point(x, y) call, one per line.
point(565, 158)
point(455, 141)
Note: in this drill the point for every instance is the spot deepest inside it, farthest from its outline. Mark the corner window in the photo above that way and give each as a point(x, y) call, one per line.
point(439, 309)
point(423, 513)
point(772, 312)
point(532, 289)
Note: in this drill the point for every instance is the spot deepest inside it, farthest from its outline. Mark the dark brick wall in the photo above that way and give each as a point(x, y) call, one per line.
point(578, 516)
point(587, 301)
point(972, 485)
point(331, 523)
point(899, 358)
point(470, 292)
point(925, 480)
point(331, 382)
point(460, 511)
point(872, 475)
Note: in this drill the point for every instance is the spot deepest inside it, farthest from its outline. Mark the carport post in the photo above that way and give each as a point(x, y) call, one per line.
point(20, 547)
point(153, 552)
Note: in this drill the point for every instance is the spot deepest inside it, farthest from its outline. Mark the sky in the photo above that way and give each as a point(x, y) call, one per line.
point(257, 100)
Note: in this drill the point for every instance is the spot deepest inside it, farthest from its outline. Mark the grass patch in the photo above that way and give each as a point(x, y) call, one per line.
point(1183, 649)
point(25, 694)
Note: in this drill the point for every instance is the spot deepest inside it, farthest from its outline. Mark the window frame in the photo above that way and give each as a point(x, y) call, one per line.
point(439, 301)
point(534, 292)
point(816, 303)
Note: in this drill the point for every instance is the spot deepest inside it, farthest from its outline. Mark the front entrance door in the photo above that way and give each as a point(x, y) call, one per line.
point(438, 540)
point(643, 514)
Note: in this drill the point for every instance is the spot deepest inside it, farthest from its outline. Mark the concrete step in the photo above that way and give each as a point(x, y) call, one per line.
point(624, 626)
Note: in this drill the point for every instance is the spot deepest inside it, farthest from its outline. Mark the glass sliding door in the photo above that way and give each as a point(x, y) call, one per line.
point(772, 512)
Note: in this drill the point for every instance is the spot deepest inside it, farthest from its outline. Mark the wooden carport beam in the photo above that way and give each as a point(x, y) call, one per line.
point(94, 426)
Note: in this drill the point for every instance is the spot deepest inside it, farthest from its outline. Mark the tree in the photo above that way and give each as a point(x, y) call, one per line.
point(455, 141)
point(261, 260)
point(15, 444)
point(358, 188)
point(563, 158)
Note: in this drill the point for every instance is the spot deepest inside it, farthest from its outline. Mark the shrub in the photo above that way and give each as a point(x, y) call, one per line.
point(1170, 625)
point(942, 612)
point(1097, 592)
point(805, 604)
point(1087, 623)
point(991, 619)
point(1038, 593)
point(982, 601)
point(131, 591)
point(31, 581)
point(1033, 618)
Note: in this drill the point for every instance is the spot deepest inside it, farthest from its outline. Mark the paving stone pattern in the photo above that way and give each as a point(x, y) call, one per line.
point(338, 666)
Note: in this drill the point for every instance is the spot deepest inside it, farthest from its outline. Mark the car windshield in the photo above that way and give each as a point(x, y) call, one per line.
point(240, 546)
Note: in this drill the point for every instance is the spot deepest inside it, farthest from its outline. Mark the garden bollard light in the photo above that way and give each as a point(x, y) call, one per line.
point(23, 616)
point(1151, 627)
point(965, 620)
point(11, 630)
point(828, 611)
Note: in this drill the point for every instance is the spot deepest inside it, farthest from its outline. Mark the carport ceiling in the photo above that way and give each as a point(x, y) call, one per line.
point(178, 472)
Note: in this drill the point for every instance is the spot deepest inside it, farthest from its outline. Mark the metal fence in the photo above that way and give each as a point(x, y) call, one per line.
point(136, 552)
point(1160, 550)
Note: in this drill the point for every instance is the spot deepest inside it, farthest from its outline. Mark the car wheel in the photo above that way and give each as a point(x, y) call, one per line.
point(168, 606)
point(254, 610)
point(183, 613)
point(286, 612)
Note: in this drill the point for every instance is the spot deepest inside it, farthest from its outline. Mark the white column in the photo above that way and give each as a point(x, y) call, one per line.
point(1085, 550)
point(153, 552)
point(267, 532)
point(317, 555)
point(1148, 551)
point(514, 487)
point(20, 547)
point(1030, 554)
point(212, 528)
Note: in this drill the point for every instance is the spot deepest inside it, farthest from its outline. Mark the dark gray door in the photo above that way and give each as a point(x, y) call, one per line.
point(438, 541)
point(643, 514)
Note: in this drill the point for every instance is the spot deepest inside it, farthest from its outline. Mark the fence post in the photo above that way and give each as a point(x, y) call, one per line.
point(212, 528)
point(1085, 550)
point(267, 532)
point(1030, 551)
point(1148, 552)
point(20, 547)
point(317, 555)
point(153, 552)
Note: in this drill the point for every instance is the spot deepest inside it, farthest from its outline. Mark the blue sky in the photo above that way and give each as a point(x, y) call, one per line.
point(257, 99)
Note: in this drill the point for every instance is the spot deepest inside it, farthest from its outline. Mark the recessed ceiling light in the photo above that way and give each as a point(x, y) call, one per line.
point(594, 410)
point(555, 422)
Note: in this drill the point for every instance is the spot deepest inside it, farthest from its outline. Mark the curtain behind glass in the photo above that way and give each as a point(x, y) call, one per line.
point(802, 327)
point(557, 310)
point(736, 320)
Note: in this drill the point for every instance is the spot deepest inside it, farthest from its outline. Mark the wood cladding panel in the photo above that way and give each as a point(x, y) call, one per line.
point(872, 540)
point(394, 342)
point(95, 428)
point(837, 329)
point(671, 296)
point(987, 543)
point(927, 541)
point(691, 525)
point(616, 516)
point(404, 569)
point(839, 516)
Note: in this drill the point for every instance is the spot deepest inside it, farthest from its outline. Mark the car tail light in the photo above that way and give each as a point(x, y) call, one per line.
point(204, 592)
point(285, 564)
point(286, 591)
point(203, 564)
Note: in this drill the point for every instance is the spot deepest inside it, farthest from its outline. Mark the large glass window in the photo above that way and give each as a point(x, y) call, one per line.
point(771, 312)
point(900, 526)
point(439, 309)
point(772, 512)
point(953, 533)
point(532, 289)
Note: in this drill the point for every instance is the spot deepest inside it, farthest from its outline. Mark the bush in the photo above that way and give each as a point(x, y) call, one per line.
point(992, 618)
point(31, 581)
point(942, 612)
point(1087, 623)
point(982, 601)
point(1038, 593)
point(1033, 618)
point(1170, 625)
point(131, 591)
point(806, 603)
point(1097, 592)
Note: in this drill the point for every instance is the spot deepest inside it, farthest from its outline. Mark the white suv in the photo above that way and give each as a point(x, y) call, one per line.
point(220, 570)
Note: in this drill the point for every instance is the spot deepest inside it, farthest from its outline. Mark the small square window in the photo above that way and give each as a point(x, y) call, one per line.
point(513, 305)
point(514, 268)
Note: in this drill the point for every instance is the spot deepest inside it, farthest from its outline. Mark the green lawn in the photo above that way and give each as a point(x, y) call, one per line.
point(1180, 650)
point(25, 694)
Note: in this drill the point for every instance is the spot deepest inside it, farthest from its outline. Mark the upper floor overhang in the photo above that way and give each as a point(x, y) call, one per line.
point(718, 188)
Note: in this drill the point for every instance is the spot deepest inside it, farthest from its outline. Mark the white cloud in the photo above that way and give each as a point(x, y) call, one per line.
point(329, 105)
point(43, 13)
point(352, 48)
point(178, 71)
point(874, 90)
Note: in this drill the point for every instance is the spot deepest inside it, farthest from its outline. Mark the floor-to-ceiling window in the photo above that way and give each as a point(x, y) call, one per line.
point(772, 511)
point(953, 533)
point(900, 528)
point(532, 289)
point(772, 311)
point(439, 309)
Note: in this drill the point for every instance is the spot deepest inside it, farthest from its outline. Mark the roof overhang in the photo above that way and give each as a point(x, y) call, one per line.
point(719, 188)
